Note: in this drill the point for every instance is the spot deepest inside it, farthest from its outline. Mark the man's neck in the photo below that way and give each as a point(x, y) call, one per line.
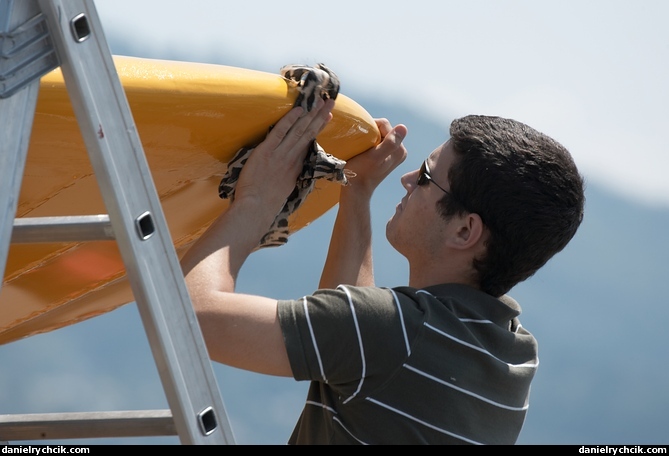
point(427, 275)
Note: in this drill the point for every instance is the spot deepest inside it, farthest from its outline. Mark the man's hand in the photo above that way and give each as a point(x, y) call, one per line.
point(242, 330)
point(349, 259)
point(269, 175)
point(374, 165)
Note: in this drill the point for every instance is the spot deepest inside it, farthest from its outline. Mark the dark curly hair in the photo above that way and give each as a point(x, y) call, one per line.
point(525, 187)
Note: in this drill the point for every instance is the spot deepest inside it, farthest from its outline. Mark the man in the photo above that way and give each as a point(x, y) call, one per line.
point(442, 360)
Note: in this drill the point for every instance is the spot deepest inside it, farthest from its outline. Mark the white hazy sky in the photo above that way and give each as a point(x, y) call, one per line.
point(593, 74)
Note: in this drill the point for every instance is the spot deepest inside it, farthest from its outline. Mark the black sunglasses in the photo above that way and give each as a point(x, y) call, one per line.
point(424, 177)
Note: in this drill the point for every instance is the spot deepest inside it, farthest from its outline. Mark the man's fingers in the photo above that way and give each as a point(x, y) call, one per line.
point(283, 127)
point(305, 130)
point(400, 132)
point(297, 129)
point(384, 126)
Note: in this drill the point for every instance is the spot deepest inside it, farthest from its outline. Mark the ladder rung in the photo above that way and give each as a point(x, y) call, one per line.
point(62, 229)
point(56, 426)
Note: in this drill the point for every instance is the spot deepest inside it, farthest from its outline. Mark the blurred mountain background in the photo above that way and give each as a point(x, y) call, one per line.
point(598, 309)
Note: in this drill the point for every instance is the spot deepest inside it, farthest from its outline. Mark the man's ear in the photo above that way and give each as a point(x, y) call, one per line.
point(469, 231)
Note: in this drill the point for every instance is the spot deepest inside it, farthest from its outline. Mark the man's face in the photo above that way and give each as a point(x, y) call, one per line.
point(416, 228)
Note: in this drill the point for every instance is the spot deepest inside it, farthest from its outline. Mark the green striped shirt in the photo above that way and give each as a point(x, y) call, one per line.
point(443, 365)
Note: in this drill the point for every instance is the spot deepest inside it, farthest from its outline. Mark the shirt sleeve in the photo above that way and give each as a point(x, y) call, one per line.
point(347, 335)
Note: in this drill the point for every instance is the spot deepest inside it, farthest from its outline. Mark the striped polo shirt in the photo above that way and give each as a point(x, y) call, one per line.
point(447, 364)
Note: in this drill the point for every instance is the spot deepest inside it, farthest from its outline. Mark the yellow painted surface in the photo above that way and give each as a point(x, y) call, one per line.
point(191, 119)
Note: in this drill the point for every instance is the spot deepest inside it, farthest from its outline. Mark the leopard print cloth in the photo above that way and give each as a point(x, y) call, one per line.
point(312, 82)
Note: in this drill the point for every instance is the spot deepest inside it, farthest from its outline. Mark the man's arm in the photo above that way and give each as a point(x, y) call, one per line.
point(349, 259)
point(242, 330)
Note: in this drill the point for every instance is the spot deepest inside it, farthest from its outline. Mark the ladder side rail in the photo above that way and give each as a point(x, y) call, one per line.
point(16, 115)
point(141, 230)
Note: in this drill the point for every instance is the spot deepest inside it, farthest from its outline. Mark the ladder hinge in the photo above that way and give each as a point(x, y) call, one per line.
point(26, 52)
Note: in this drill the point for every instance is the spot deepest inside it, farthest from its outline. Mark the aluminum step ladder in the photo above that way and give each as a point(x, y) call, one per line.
point(37, 36)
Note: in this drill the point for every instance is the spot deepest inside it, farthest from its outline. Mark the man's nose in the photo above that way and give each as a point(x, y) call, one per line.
point(408, 180)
